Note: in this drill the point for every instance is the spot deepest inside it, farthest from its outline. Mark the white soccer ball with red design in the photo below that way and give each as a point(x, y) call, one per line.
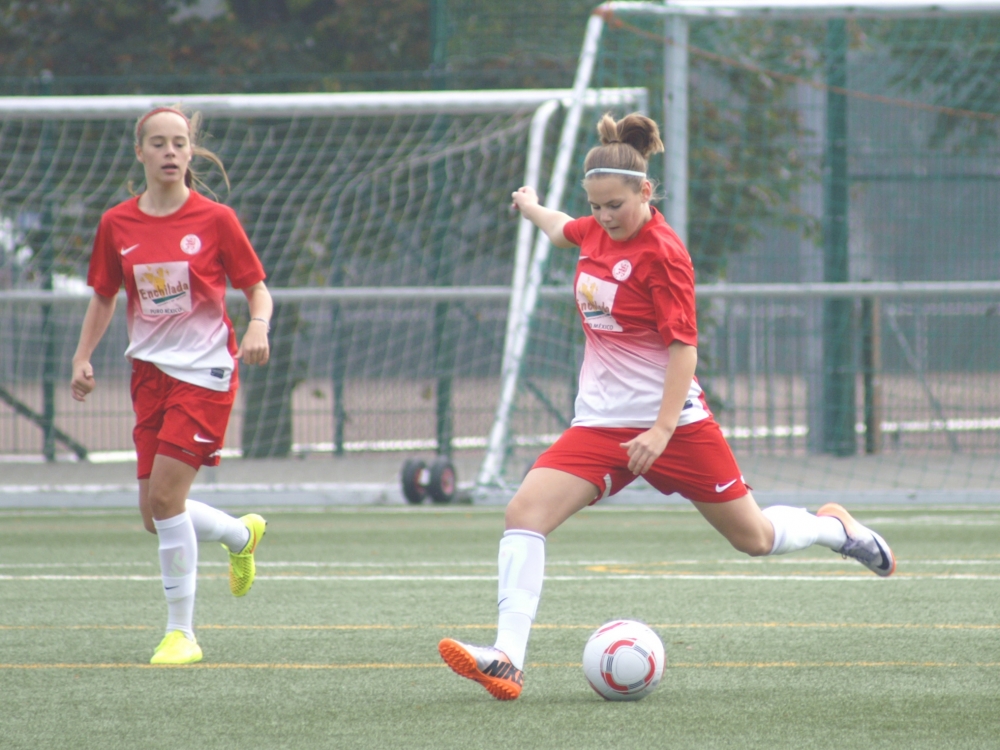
point(623, 660)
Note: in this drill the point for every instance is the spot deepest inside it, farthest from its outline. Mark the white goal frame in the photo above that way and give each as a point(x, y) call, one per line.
point(545, 104)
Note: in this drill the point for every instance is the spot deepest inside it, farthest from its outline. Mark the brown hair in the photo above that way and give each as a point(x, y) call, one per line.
point(191, 177)
point(625, 144)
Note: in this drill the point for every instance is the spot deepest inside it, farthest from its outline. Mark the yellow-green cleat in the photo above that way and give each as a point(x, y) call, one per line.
point(176, 648)
point(242, 568)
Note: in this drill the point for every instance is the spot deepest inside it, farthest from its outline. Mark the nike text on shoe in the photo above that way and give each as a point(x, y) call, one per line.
point(242, 568)
point(486, 665)
point(863, 544)
point(176, 648)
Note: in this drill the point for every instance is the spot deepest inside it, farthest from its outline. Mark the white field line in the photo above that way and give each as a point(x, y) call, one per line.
point(532, 665)
point(931, 521)
point(831, 560)
point(492, 578)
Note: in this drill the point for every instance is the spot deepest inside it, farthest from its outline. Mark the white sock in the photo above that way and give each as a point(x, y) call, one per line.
point(522, 569)
point(214, 525)
point(179, 568)
point(797, 528)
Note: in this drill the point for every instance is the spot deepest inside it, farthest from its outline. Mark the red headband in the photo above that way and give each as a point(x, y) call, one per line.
point(158, 110)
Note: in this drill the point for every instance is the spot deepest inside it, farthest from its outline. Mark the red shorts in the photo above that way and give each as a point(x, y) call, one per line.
point(177, 419)
point(697, 462)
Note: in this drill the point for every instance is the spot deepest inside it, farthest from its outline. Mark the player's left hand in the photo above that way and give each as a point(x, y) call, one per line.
point(645, 448)
point(254, 348)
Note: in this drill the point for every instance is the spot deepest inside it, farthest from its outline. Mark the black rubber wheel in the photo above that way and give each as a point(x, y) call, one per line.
point(410, 476)
point(443, 483)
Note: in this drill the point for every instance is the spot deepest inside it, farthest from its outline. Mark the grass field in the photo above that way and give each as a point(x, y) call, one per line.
point(335, 647)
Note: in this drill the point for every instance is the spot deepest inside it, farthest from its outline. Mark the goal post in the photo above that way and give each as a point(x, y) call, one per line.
point(397, 203)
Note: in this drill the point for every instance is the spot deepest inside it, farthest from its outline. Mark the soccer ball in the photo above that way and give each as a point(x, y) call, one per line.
point(623, 660)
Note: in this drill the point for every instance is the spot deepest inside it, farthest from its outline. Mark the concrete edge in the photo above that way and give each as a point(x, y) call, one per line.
point(371, 494)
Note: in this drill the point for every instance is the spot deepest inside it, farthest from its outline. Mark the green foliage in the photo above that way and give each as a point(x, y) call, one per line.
point(530, 45)
point(952, 63)
point(746, 167)
point(130, 37)
point(745, 128)
point(326, 35)
point(77, 37)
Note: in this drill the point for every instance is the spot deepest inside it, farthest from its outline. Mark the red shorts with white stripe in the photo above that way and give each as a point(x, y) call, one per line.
point(697, 463)
point(177, 419)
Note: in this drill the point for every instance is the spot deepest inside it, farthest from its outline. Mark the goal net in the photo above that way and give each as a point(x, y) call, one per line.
point(833, 169)
point(383, 223)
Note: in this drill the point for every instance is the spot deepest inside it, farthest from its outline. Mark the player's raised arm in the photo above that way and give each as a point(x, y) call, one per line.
point(551, 222)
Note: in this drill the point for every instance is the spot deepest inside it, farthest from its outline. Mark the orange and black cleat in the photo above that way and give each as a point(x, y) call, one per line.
point(486, 665)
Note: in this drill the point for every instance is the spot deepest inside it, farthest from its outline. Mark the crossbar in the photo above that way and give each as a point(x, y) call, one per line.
point(305, 105)
point(800, 9)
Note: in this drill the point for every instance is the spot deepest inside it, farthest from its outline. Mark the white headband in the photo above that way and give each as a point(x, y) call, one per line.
point(610, 170)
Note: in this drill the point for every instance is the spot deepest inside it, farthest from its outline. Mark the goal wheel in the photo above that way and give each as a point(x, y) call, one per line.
point(414, 481)
point(442, 483)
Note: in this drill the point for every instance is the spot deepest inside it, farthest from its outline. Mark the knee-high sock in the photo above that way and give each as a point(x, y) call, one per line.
point(214, 525)
point(179, 568)
point(797, 528)
point(522, 569)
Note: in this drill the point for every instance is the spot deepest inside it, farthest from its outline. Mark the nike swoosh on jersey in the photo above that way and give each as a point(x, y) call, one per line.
point(583, 257)
point(127, 250)
point(199, 439)
point(724, 487)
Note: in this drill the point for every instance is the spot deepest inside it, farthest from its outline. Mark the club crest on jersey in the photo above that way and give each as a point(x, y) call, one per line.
point(622, 270)
point(163, 288)
point(191, 243)
point(596, 299)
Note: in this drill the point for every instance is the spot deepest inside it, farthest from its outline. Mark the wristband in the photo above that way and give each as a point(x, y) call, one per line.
point(265, 322)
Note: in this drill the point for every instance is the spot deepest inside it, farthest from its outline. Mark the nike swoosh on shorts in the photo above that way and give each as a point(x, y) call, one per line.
point(199, 439)
point(724, 487)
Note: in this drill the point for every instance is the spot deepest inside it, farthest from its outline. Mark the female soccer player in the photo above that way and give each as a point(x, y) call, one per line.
point(639, 409)
point(173, 249)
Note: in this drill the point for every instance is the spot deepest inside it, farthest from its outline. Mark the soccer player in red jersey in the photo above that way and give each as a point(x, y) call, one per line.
point(639, 409)
point(173, 249)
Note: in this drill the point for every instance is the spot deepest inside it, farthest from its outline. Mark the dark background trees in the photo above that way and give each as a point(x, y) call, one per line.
point(183, 46)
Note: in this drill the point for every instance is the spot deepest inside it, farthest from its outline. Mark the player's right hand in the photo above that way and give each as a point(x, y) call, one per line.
point(523, 198)
point(83, 380)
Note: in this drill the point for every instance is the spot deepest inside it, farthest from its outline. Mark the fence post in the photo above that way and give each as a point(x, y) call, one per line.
point(871, 356)
point(338, 372)
point(838, 340)
point(46, 262)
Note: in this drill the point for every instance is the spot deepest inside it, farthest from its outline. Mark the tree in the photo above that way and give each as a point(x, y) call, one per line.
point(163, 37)
point(118, 37)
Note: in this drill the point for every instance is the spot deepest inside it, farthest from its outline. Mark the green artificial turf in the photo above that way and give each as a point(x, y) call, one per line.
point(335, 646)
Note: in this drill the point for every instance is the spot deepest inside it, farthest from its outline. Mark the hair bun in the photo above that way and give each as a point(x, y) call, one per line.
point(636, 130)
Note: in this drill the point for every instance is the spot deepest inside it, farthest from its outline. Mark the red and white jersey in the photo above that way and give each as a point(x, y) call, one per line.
point(635, 298)
point(174, 269)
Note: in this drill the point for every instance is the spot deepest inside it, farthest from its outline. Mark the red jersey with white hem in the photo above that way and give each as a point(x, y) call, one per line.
point(635, 298)
point(174, 269)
